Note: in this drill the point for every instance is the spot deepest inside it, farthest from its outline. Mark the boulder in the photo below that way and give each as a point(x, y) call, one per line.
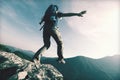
point(13, 67)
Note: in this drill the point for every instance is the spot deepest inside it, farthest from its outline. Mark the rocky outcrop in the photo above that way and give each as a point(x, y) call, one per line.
point(13, 67)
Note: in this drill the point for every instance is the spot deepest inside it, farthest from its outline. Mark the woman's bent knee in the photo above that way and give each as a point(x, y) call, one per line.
point(47, 46)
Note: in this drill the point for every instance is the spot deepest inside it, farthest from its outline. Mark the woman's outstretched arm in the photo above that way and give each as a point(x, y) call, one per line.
point(73, 14)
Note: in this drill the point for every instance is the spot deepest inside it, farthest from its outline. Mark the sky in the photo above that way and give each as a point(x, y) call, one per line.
point(95, 35)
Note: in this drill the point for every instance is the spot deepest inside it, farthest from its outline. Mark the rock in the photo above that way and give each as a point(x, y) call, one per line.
point(22, 75)
point(13, 67)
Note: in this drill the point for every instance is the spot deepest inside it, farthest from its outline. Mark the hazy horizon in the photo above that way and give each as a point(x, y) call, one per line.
point(95, 35)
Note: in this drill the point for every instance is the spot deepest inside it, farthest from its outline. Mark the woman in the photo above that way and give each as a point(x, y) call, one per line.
point(50, 29)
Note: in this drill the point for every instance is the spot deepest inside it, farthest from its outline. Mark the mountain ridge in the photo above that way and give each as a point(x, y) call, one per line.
point(81, 67)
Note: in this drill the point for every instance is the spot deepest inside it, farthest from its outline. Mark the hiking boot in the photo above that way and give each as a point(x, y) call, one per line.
point(37, 63)
point(61, 61)
point(37, 58)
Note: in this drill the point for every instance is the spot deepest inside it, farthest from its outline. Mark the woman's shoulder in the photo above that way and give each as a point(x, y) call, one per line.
point(59, 14)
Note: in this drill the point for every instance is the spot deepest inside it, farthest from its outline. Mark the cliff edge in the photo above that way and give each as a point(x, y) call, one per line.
point(13, 67)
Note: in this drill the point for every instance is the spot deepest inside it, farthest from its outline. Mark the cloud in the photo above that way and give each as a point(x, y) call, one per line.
point(30, 3)
point(99, 27)
point(15, 28)
point(8, 11)
point(94, 35)
point(16, 16)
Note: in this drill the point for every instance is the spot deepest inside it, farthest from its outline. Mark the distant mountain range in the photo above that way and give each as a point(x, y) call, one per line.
point(80, 67)
point(83, 68)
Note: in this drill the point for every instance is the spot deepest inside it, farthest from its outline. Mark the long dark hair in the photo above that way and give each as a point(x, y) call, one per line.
point(50, 8)
point(49, 11)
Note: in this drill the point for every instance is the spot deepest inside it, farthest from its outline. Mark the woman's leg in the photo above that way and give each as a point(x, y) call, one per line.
point(57, 36)
point(46, 39)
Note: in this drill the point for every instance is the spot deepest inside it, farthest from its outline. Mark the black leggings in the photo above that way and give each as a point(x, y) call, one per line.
point(46, 38)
